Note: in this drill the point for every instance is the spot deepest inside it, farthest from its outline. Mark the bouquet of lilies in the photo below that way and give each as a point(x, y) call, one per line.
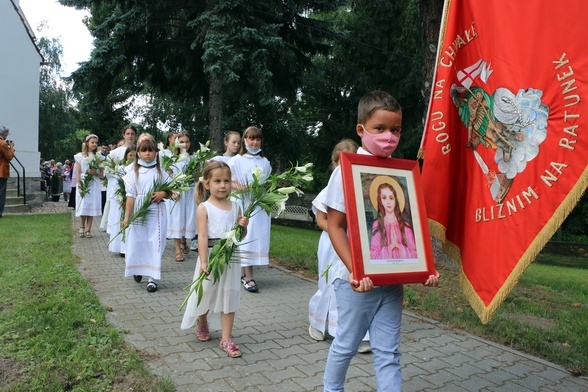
point(94, 163)
point(196, 163)
point(111, 167)
point(167, 161)
point(268, 193)
point(179, 183)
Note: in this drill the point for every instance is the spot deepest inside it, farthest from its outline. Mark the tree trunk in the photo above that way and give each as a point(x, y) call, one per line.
point(215, 113)
point(431, 14)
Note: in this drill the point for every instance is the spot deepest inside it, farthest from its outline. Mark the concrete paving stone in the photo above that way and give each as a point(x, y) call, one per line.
point(498, 376)
point(288, 361)
point(250, 381)
point(309, 383)
point(475, 383)
point(272, 329)
point(279, 376)
point(419, 383)
point(463, 371)
point(434, 366)
point(214, 374)
point(311, 369)
point(410, 370)
point(522, 369)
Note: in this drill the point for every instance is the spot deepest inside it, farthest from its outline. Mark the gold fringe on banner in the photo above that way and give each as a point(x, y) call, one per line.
point(484, 312)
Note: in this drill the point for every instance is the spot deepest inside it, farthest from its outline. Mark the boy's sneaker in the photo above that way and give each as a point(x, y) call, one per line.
point(364, 347)
point(151, 287)
point(194, 245)
point(315, 333)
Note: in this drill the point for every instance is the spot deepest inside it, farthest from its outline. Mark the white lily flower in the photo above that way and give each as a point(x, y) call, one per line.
point(183, 157)
point(230, 236)
point(257, 172)
point(160, 146)
point(281, 206)
point(286, 190)
point(307, 178)
point(204, 147)
point(303, 169)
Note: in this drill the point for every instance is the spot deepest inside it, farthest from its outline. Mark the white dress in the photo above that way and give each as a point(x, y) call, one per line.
point(255, 248)
point(145, 243)
point(115, 215)
point(91, 204)
point(111, 186)
point(223, 295)
point(322, 307)
point(176, 219)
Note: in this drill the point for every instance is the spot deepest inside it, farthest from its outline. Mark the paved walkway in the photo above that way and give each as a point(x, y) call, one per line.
point(271, 328)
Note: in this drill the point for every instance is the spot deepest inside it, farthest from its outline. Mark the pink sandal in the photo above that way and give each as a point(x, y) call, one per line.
point(202, 332)
point(230, 347)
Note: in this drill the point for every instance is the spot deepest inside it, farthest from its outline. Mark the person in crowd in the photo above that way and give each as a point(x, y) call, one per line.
point(66, 176)
point(255, 247)
point(361, 306)
point(322, 307)
point(89, 205)
point(216, 216)
point(121, 155)
point(145, 242)
point(6, 155)
point(181, 208)
point(232, 142)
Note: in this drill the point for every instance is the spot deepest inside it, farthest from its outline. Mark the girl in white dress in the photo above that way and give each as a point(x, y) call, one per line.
point(145, 242)
point(120, 153)
point(232, 141)
point(216, 216)
point(117, 207)
point(177, 219)
point(322, 307)
point(255, 248)
point(90, 205)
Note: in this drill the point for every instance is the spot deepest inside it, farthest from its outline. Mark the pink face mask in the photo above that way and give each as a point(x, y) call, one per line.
point(380, 144)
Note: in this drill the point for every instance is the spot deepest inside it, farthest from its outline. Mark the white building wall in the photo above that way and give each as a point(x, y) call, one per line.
point(19, 86)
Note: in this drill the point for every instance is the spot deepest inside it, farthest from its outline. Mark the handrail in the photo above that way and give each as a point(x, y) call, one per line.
point(24, 188)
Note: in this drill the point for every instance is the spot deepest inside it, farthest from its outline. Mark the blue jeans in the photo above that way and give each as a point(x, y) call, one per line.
point(380, 312)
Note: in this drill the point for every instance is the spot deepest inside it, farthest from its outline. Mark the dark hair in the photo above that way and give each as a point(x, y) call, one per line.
point(129, 149)
point(376, 100)
point(191, 149)
point(251, 132)
point(130, 126)
point(381, 229)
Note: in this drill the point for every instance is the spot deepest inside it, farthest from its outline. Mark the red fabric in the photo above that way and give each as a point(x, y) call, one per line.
point(536, 45)
point(6, 155)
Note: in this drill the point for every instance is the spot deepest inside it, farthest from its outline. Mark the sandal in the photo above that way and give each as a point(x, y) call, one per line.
point(81, 232)
point(250, 285)
point(202, 332)
point(87, 234)
point(179, 257)
point(231, 348)
point(185, 247)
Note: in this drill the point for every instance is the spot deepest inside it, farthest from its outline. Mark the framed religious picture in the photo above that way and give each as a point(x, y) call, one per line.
point(386, 219)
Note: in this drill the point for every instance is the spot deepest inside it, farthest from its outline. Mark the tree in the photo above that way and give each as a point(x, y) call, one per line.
point(57, 115)
point(196, 51)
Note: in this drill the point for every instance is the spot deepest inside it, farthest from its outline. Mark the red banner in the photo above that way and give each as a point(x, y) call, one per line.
point(506, 138)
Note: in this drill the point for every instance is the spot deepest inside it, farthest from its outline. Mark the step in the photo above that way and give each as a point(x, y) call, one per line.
point(14, 201)
point(14, 209)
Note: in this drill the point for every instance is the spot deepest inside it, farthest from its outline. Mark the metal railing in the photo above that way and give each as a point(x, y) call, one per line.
point(18, 187)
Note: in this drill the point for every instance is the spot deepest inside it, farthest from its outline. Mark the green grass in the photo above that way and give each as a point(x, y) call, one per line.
point(545, 315)
point(295, 248)
point(53, 333)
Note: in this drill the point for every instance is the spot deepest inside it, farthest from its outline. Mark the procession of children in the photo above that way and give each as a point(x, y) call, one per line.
point(171, 192)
